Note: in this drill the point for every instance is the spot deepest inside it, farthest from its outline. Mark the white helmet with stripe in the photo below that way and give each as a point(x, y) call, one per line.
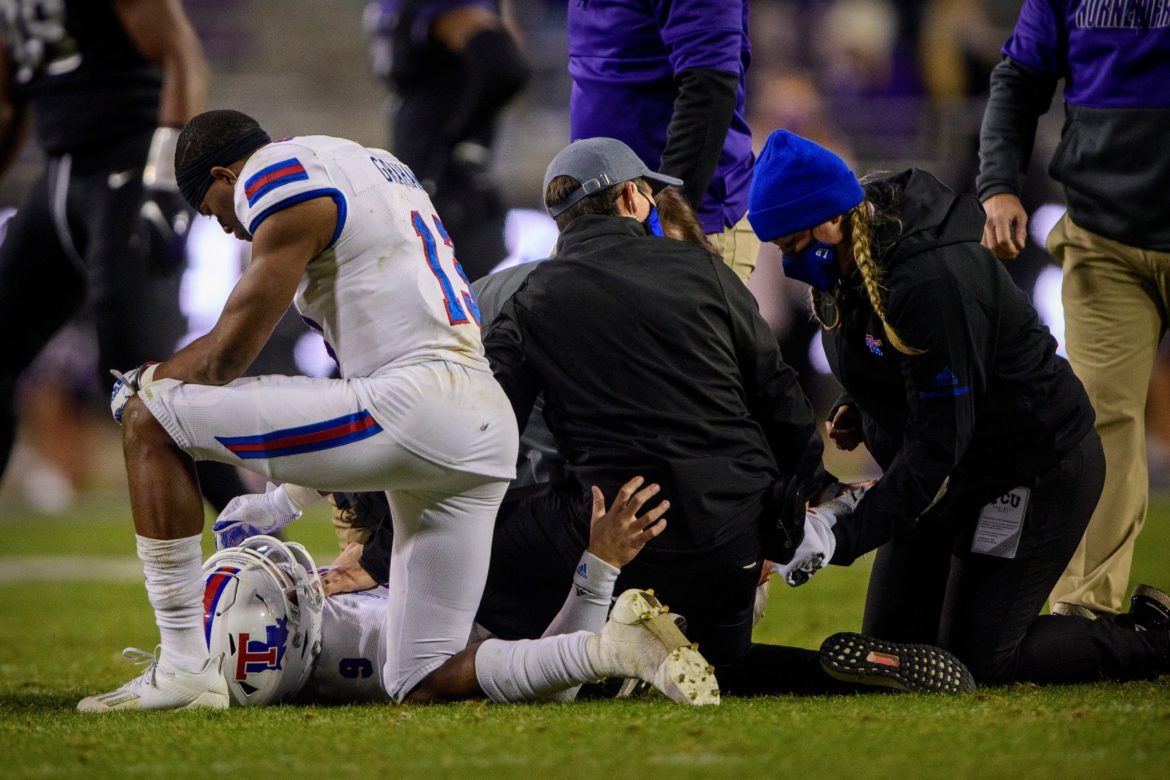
point(262, 606)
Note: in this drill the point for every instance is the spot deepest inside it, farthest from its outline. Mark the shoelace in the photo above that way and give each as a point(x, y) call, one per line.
point(144, 659)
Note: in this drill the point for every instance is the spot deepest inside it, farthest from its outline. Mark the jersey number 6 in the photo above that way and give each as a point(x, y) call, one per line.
point(455, 312)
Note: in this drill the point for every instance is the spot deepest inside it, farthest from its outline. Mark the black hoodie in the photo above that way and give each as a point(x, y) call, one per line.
point(987, 403)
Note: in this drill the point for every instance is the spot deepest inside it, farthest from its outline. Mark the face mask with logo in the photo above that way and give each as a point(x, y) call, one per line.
point(816, 264)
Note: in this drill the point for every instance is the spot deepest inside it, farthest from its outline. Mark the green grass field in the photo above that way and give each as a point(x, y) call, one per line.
point(62, 641)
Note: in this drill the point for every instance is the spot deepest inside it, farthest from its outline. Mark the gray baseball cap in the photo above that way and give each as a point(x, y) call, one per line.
point(599, 163)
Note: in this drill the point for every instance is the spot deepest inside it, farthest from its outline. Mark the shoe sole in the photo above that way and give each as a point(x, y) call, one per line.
point(905, 667)
point(212, 700)
point(632, 688)
point(1066, 609)
point(1161, 600)
point(209, 700)
point(684, 675)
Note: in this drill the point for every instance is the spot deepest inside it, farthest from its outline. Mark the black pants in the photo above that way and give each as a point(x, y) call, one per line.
point(447, 100)
point(985, 609)
point(538, 541)
point(70, 245)
point(77, 244)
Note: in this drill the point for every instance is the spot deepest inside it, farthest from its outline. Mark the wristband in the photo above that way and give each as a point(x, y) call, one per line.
point(595, 576)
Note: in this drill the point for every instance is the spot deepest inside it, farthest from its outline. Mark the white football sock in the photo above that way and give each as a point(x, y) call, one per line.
point(589, 599)
point(533, 668)
point(174, 585)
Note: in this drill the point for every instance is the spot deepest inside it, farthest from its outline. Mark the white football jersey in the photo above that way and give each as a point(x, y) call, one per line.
point(388, 290)
point(353, 650)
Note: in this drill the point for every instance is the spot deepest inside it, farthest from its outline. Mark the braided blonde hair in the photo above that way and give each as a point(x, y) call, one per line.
point(859, 226)
point(871, 275)
point(816, 300)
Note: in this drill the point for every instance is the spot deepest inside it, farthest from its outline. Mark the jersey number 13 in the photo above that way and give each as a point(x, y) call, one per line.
point(455, 312)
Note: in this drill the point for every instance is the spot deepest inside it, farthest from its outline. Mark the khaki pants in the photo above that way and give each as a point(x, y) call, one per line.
point(1115, 304)
point(345, 526)
point(739, 247)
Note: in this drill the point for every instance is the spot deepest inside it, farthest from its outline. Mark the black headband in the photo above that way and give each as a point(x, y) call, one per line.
point(195, 176)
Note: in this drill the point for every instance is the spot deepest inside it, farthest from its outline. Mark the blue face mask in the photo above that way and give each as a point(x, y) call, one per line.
point(653, 226)
point(816, 264)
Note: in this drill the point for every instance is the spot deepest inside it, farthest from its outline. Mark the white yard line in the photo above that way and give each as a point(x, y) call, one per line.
point(69, 568)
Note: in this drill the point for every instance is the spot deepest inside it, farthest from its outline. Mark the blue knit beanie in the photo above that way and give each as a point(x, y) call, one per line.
point(798, 184)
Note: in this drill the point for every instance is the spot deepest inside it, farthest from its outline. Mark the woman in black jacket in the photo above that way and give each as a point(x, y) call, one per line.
point(985, 437)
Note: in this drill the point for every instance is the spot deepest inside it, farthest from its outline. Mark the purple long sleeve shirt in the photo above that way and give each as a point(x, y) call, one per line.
point(1111, 53)
point(623, 58)
point(1114, 152)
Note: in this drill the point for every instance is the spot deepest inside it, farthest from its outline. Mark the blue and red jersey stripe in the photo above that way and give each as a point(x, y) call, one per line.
point(276, 175)
point(307, 438)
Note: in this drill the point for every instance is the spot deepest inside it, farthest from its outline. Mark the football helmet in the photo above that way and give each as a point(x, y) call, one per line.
point(262, 606)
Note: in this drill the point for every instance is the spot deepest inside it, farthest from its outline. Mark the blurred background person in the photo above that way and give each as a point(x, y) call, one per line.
point(102, 230)
point(453, 65)
point(327, 87)
point(667, 78)
point(1114, 241)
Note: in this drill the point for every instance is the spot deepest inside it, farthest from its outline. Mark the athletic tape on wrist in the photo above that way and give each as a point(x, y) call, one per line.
point(146, 376)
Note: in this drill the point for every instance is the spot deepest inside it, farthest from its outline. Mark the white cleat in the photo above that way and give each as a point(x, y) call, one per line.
point(643, 641)
point(162, 687)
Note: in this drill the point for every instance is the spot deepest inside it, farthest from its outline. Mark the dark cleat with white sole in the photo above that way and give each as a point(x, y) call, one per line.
point(904, 667)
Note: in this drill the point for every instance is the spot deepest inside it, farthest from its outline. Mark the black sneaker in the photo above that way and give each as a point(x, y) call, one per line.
point(918, 668)
point(1149, 608)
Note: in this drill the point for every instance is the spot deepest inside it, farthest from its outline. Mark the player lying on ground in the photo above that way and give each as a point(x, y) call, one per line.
point(348, 235)
point(845, 663)
point(542, 525)
point(303, 646)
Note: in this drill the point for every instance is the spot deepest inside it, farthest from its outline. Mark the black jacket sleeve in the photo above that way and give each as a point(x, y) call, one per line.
point(941, 385)
point(774, 396)
point(843, 399)
point(698, 128)
point(1019, 96)
point(504, 346)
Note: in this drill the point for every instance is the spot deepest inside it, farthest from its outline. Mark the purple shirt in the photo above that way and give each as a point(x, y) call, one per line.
point(1111, 53)
point(623, 56)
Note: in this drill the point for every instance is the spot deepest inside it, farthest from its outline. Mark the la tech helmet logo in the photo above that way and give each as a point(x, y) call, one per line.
point(257, 656)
